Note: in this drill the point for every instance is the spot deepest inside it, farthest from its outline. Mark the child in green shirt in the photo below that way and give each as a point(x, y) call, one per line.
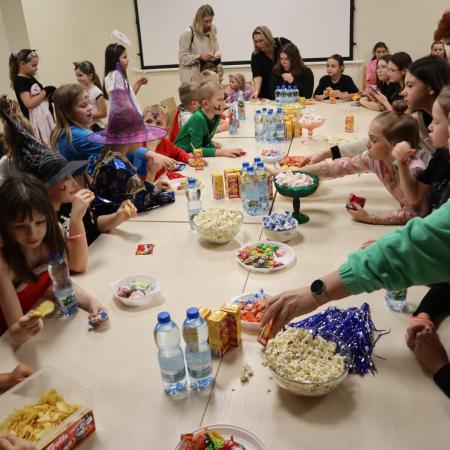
point(200, 128)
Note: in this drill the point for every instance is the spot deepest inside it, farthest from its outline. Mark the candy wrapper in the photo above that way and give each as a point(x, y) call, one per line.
point(352, 198)
point(99, 319)
point(145, 249)
point(354, 326)
point(280, 221)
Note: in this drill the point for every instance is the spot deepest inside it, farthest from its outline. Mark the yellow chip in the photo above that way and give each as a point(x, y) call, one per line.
point(44, 309)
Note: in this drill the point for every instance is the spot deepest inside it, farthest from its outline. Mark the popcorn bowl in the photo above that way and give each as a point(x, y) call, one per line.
point(316, 388)
point(218, 225)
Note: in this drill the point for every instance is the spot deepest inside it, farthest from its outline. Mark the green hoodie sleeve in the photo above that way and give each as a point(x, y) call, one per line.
point(418, 253)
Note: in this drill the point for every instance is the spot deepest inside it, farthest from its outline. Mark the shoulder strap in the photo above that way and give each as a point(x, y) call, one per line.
point(192, 37)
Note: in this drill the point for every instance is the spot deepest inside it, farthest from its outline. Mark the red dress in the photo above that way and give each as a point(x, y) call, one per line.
point(29, 294)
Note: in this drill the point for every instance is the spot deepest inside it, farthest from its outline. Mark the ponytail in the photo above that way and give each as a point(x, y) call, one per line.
point(25, 55)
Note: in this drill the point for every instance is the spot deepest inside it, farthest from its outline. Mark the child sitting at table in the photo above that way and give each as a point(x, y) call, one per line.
point(201, 127)
point(188, 93)
point(385, 131)
point(29, 232)
point(335, 80)
point(115, 178)
point(237, 83)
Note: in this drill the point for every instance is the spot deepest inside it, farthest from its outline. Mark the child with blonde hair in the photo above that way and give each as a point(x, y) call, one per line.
point(201, 127)
point(237, 84)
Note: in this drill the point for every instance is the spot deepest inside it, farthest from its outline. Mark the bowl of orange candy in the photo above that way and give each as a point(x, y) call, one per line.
point(253, 307)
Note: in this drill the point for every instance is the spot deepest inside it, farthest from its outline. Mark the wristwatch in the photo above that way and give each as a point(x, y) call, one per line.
point(319, 291)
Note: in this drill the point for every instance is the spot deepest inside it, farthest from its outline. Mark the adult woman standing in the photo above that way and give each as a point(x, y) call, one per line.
point(264, 57)
point(290, 70)
point(198, 45)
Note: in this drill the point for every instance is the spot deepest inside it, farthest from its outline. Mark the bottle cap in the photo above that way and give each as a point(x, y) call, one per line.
point(191, 182)
point(163, 317)
point(245, 164)
point(257, 159)
point(192, 313)
point(251, 170)
point(54, 255)
point(260, 165)
point(258, 111)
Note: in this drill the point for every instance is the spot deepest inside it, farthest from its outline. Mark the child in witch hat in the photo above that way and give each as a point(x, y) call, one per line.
point(115, 177)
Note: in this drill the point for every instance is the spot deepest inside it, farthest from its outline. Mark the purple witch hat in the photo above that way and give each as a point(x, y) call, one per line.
point(33, 157)
point(125, 124)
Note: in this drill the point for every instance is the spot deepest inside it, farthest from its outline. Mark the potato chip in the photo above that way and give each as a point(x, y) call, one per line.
point(44, 309)
point(35, 421)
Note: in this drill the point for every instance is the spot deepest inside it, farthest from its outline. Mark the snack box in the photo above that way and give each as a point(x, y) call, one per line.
point(219, 340)
point(218, 186)
point(75, 428)
point(233, 323)
point(232, 183)
point(204, 312)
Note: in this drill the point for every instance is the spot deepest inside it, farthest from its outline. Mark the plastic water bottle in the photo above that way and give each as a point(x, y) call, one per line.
point(396, 300)
point(250, 201)
point(241, 106)
point(269, 131)
point(289, 94)
point(279, 125)
point(194, 205)
point(295, 94)
point(170, 356)
point(58, 270)
point(282, 94)
point(263, 188)
point(233, 126)
point(198, 353)
point(259, 126)
point(277, 94)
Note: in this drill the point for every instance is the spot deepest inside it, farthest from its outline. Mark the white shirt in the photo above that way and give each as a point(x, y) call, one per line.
point(94, 93)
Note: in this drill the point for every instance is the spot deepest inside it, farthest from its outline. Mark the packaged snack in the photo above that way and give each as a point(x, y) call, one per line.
point(145, 249)
point(297, 128)
point(349, 123)
point(266, 333)
point(270, 185)
point(204, 312)
point(198, 159)
point(232, 181)
point(219, 340)
point(233, 322)
point(288, 129)
point(352, 198)
point(218, 186)
point(332, 95)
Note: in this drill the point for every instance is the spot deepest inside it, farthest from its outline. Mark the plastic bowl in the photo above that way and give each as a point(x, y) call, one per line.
point(273, 159)
point(140, 301)
point(281, 236)
point(211, 232)
point(315, 389)
point(249, 326)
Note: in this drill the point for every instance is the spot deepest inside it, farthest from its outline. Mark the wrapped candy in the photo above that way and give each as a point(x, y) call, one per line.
point(290, 179)
point(133, 289)
point(280, 221)
point(354, 326)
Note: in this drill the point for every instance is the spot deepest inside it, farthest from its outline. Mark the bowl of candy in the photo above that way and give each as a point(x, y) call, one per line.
point(305, 364)
point(272, 155)
point(295, 185)
point(253, 307)
point(218, 225)
point(135, 291)
point(280, 227)
point(310, 121)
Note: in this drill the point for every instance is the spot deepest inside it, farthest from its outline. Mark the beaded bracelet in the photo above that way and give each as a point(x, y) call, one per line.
point(77, 236)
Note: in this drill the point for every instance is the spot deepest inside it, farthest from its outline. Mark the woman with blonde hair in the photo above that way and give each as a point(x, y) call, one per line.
point(264, 57)
point(198, 45)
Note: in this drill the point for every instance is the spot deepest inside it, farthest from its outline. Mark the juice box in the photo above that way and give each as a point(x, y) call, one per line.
point(332, 94)
point(225, 172)
point(233, 322)
point(219, 340)
point(218, 186)
point(204, 312)
point(349, 123)
point(288, 129)
point(198, 159)
point(297, 128)
point(270, 186)
point(232, 181)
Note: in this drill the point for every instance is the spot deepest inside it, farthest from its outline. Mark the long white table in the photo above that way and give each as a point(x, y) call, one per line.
point(399, 407)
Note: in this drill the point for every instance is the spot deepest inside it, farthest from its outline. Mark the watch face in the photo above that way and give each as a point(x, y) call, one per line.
point(317, 287)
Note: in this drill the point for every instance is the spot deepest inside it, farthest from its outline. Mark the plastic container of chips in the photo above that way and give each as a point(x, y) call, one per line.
point(75, 428)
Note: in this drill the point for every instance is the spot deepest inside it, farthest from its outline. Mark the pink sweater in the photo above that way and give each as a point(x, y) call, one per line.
point(363, 163)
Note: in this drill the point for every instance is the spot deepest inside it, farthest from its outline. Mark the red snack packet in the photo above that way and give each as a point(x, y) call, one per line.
point(145, 249)
point(266, 333)
point(352, 198)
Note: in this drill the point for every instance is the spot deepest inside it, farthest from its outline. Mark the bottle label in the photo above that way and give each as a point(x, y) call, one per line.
point(68, 301)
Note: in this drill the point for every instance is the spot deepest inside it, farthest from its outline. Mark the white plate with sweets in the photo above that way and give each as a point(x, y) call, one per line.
point(179, 185)
point(265, 256)
point(241, 438)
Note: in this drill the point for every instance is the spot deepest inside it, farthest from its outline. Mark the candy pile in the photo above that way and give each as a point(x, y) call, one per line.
point(272, 152)
point(310, 119)
point(353, 326)
point(280, 221)
point(253, 306)
point(291, 162)
point(262, 256)
point(218, 224)
point(208, 440)
point(289, 179)
point(134, 289)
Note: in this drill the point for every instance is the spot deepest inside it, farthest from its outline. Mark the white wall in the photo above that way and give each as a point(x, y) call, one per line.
point(66, 30)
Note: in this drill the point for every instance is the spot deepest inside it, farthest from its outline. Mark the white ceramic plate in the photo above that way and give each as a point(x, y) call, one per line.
point(287, 259)
point(140, 301)
point(177, 181)
point(245, 437)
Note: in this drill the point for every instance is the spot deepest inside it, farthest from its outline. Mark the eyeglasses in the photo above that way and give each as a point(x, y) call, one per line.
point(393, 70)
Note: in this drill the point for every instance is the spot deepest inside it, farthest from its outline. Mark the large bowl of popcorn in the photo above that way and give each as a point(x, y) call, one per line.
point(218, 225)
point(305, 364)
